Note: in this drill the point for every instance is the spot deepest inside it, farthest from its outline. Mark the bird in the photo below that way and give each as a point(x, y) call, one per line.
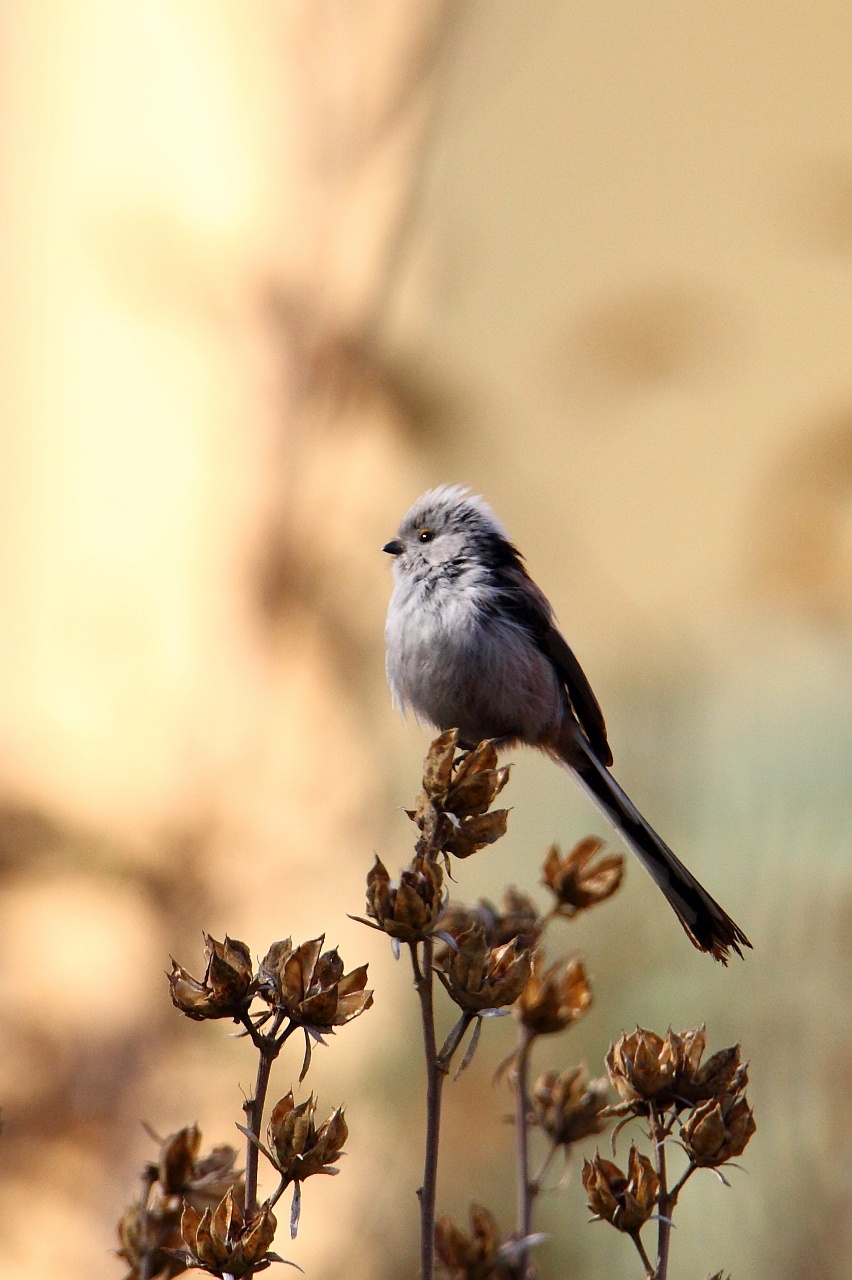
point(472, 644)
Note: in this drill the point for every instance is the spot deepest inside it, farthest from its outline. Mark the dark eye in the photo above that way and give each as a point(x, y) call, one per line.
point(425, 535)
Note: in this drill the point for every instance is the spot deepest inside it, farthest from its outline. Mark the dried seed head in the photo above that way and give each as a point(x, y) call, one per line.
point(626, 1202)
point(452, 809)
point(152, 1235)
point(555, 997)
point(722, 1073)
point(645, 1068)
point(568, 1106)
point(477, 1255)
point(300, 1149)
point(581, 880)
point(310, 987)
point(202, 1182)
point(479, 977)
point(411, 909)
point(177, 1159)
point(519, 919)
point(718, 1130)
point(226, 989)
point(222, 1242)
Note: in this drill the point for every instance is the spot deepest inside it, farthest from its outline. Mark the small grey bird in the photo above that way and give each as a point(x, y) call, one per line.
point(472, 644)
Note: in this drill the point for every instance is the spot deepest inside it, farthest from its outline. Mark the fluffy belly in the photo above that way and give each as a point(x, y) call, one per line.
point(488, 680)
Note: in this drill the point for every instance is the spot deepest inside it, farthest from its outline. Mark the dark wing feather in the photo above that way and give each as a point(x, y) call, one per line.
point(586, 706)
point(522, 600)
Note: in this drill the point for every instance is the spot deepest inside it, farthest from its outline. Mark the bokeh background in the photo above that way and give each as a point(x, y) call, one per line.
point(269, 269)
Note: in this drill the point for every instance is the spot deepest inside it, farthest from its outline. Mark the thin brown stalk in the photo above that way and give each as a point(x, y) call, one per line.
point(526, 1189)
point(146, 1264)
point(646, 1261)
point(268, 1047)
point(678, 1187)
point(659, 1134)
point(453, 1041)
point(546, 1163)
point(435, 1073)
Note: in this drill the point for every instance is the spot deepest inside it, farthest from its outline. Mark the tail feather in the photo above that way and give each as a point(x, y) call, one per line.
point(708, 927)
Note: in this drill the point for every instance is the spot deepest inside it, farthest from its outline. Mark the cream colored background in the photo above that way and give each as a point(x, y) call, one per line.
point(268, 269)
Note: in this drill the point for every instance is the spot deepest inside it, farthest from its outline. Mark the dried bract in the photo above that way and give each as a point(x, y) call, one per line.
point(518, 919)
point(643, 1067)
point(479, 977)
point(646, 1068)
point(581, 880)
point(225, 990)
point(223, 1243)
point(452, 809)
point(298, 1146)
point(309, 985)
point(411, 909)
point(202, 1182)
point(626, 1202)
point(554, 997)
point(718, 1130)
point(145, 1238)
point(568, 1106)
point(477, 1255)
point(152, 1233)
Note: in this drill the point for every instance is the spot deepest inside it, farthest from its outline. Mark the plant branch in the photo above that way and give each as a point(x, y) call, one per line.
point(646, 1261)
point(526, 1189)
point(146, 1264)
point(659, 1134)
point(453, 1041)
point(546, 1163)
point(268, 1047)
point(435, 1072)
point(678, 1187)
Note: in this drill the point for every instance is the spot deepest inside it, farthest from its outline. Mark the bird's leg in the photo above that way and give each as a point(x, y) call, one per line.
point(498, 743)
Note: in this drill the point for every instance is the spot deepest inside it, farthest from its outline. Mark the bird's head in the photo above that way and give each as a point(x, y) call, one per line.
point(444, 527)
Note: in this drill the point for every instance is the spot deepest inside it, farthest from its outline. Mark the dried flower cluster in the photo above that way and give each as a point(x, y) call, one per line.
point(298, 1147)
point(411, 909)
point(569, 1107)
point(648, 1070)
point(309, 987)
point(150, 1230)
point(581, 879)
point(305, 984)
point(452, 810)
point(627, 1201)
point(224, 1243)
point(659, 1078)
point(481, 1253)
point(204, 1213)
point(518, 921)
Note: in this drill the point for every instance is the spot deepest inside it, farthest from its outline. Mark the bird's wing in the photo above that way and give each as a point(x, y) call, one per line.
point(529, 607)
point(583, 701)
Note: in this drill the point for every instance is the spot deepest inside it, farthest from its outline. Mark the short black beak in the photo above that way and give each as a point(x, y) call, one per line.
point(394, 548)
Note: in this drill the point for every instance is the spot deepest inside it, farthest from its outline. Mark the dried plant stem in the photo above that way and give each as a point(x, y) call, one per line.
point(659, 1133)
point(453, 1041)
point(146, 1265)
point(678, 1187)
point(650, 1272)
point(526, 1189)
point(268, 1047)
point(435, 1072)
point(546, 1163)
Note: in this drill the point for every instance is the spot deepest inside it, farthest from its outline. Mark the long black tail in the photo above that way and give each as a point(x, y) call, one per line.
point(708, 927)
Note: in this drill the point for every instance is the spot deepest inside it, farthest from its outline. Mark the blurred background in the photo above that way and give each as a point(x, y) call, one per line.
point(269, 269)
